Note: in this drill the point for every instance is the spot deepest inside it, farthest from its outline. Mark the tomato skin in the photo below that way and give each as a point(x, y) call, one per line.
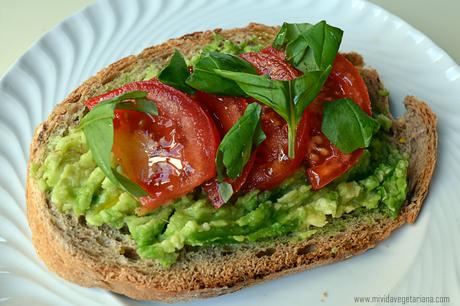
point(336, 164)
point(170, 154)
point(211, 187)
point(225, 111)
point(326, 162)
point(272, 62)
point(272, 164)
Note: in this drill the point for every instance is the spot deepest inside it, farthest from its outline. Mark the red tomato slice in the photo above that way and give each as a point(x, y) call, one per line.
point(212, 187)
point(167, 155)
point(272, 62)
point(225, 111)
point(272, 164)
point(325, 161)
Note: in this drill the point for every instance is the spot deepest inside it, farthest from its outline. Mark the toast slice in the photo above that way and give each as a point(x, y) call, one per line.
point(106, 258)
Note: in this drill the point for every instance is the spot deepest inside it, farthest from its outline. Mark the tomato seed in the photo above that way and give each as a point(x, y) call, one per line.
point(317, 139)
point(314, 157)
point(323, 151)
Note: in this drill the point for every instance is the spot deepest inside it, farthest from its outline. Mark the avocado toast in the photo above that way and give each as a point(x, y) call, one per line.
point(107, 255)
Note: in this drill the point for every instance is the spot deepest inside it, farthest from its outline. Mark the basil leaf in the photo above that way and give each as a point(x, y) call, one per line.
point(175, 73)
point(287, 98)
point(270, 92)
point(280, 37)
point(347, 126)
point(205, 79)
point(97, 125)
point(289, 32)
point(306, 89)
point(309, 47)
point(140, 105)
point(129, 185)
point(225, 191)
point(137, 99)
point(235, 148)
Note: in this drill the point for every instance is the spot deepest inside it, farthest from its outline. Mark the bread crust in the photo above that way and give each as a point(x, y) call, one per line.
point(210, 271)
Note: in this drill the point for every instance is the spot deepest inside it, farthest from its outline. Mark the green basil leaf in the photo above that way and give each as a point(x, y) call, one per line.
point(259, 136)
point(287, 98)
point(129, 185)
point(205, 79)
point(306, 89)
point(235, 148)
point(131, 95)
point(280, 37)
point(347, 126)
point(270, 92)
point(97, 125)
point(289, 32)
point(140, 105)
point(225, 191)
point(309, 47)
point(175, 73)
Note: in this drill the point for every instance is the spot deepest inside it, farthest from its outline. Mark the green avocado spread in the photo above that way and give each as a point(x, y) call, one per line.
point(76, 185)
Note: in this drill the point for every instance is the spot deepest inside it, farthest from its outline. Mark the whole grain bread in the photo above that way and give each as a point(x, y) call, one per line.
point(106, 258)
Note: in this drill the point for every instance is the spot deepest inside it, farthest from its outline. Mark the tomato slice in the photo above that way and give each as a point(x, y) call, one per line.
point(170, 154)
point(326, 162)
point(272, 62)
point(211, 187)
point(225, 111)
point(272, 164)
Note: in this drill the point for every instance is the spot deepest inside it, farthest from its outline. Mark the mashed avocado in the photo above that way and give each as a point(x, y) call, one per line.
point(76, 185)
point(219, 44)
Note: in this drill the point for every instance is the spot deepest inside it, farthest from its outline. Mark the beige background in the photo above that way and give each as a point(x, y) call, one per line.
point(23, 21)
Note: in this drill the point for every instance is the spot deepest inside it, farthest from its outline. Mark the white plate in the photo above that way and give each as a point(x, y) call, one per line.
point(418, 260)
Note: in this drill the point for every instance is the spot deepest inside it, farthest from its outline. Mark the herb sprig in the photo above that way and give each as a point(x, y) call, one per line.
point(97, 125)
point(347, 126)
